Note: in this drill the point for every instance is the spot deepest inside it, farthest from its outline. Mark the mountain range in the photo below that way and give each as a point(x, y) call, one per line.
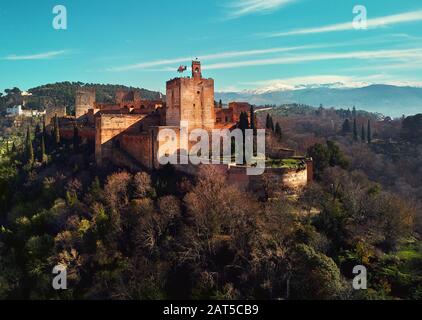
point(388, 100)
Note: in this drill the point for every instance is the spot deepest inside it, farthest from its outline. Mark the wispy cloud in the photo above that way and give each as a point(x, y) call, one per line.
point(170, 64)
point(408, 64)
point(239, 8)
point(214, 56)
point(406, 17)
point(366, 55)
point(38, 56)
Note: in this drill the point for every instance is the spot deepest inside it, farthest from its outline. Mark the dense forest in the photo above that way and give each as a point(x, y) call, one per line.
point(164, 235)
point(63, 94)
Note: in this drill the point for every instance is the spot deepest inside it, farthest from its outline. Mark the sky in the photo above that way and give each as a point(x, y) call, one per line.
point(243, 44)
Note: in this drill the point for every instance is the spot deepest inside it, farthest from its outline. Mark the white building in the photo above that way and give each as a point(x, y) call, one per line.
point(14, 111)
point(17, 111)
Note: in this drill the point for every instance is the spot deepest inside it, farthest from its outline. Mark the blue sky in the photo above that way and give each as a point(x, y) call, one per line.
point(243, 44)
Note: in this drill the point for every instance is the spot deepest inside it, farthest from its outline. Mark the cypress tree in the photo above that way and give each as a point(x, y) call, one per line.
point(75, 138)
point(43, 126)
point(354, 112)
point(369, 132)
point(278, 131)
point(56, 130)
point(43, 151)
point(253, 119)
point(272, 127)
point(346, 127)
point(243, 125)
point(363, 134)
point(29, 148)
point(355, 130)
point(37, 130)
point(268, 122)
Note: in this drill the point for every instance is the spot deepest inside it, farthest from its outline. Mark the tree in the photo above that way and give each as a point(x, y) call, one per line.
point(268, 122)
point(412, 129)
point(316, 276)
point(253, 119)
point(43, 155)
point(321, 157)
point(346, 129)
point(57, 130)
point(363, 134)
point(369, 132)
point(76, 138)
point(336, 157)
point(143, 186)
point(37, 130)
point(278, 131)
point(43, 126)
point(326, 156)
point(354, 112)
point(29, 148)
point(244, 125)
point(220, 104)
point(355, 130)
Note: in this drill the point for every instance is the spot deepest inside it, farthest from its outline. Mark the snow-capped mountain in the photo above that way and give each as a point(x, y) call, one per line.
point(390, 100)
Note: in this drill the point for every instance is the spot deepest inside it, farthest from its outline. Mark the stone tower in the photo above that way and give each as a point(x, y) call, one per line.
point(123, 96)
point(191, 100)
point(196, 70)
point(85, 100)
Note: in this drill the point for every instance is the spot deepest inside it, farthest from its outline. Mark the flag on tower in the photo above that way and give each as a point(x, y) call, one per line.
point(182, 69)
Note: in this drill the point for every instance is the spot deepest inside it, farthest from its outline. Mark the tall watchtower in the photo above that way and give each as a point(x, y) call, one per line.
point(191, 100)
point(84, 101)
point(196, 70)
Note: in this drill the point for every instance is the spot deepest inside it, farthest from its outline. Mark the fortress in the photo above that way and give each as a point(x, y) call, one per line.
point(126, 132)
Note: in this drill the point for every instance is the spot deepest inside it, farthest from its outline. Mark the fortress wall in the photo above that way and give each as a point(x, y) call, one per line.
point(139, 147)
point(108, 127)
point(276, 180)
point(51, 112)
point(86, 134)
point(238, 108)
point(273, 181)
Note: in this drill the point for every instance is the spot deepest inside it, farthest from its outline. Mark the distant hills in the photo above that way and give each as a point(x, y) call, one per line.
point(386, 99)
